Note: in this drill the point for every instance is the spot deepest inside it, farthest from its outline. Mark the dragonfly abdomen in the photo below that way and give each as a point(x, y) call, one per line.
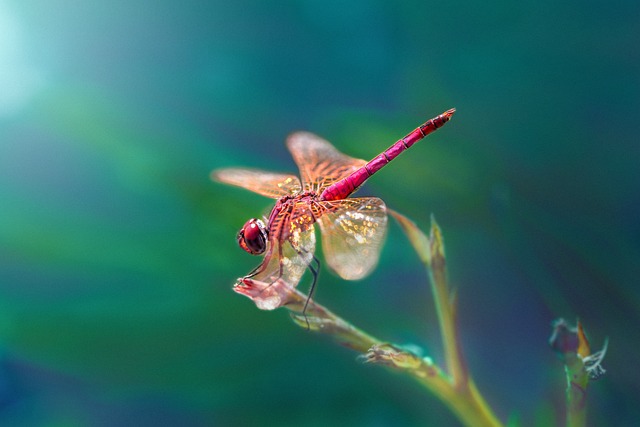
point(343, 188)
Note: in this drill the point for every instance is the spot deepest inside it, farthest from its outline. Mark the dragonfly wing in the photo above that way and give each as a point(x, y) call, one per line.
point(320, 163)
point(353, 231)
point(270, 184)
point(288, 260)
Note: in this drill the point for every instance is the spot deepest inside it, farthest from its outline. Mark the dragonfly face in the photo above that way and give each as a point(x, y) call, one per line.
point(252, 237)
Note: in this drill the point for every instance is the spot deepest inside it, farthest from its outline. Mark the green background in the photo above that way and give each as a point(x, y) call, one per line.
point(117, 253)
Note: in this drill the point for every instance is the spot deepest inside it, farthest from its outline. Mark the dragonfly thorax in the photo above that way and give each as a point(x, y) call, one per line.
point(252, 237)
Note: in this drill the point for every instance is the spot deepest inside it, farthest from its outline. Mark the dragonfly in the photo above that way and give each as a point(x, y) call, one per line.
point(352, 229)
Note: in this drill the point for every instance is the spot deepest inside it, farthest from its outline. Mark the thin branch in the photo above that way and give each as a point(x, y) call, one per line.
point(431, 252)
point(580, 366)
point(466, 403)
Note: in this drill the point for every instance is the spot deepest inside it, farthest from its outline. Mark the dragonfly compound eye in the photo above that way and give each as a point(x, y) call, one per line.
point(253, 237)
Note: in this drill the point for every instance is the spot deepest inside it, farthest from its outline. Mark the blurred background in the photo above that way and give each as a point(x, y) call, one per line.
point(117, 253)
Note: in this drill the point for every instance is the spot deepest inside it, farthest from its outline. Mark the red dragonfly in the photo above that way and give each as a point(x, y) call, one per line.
point(353, 229)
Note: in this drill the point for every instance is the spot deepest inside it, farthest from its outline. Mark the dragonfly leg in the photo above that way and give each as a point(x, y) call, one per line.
point(280, 267)
point(263, 266)
point(255, 271)
point(314, 272)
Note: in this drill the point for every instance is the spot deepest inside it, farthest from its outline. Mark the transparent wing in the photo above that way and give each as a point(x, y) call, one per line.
point(319, 162)
point(353, 231)
point(270, 184)
point(288, 260)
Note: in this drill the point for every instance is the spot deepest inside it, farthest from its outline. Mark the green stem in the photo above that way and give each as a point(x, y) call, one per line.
point(472, 409)
point(445, 308)
point(577, 382)
point(464, 401)
point(455, 388)
point(320, 319)
point(455, 365)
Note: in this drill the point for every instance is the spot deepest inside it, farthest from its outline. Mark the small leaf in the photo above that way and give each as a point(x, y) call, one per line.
point(437, 246)
point(583, 344)
point(267, 296)
point(438, 263)
point(390, 355)
point(418, 239)
point(564, 339)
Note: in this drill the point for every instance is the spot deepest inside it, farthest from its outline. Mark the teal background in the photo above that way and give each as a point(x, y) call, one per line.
point(117, 253)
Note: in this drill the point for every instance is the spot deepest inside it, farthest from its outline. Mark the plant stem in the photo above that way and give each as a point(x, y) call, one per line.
point(577, 382)
point(464, 400)
point(320, 319)
point(580, 366)
point(471, 408)
point(445, 308)
point(431, 253)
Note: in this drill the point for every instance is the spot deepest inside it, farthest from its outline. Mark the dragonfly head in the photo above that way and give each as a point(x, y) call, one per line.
point(252, 237)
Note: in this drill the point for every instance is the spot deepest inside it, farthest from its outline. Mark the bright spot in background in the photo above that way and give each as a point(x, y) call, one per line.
point(19, 81)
